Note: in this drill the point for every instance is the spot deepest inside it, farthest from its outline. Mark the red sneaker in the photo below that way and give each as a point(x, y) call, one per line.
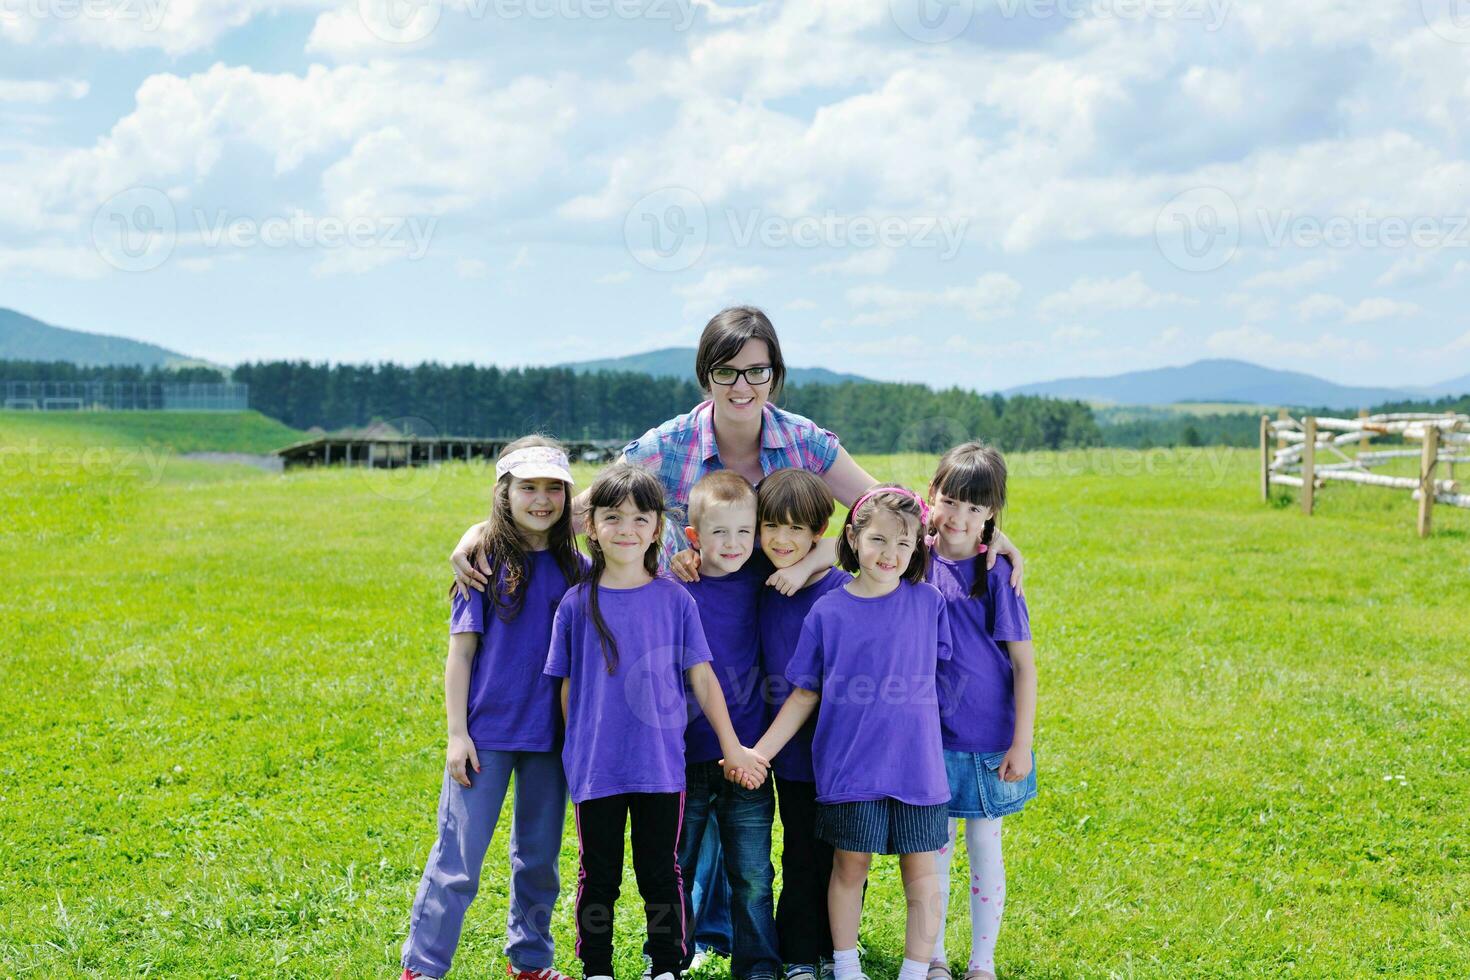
point(549, 973)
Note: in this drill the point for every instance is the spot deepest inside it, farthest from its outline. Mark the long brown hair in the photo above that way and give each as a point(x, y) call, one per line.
point(896, 500)
point(974, 473)
point(505, 548)
point(614, 485)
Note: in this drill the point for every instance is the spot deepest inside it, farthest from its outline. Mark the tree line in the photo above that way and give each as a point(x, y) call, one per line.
point(470, 400)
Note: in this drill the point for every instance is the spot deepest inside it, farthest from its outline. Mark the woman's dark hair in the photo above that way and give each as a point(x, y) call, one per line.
point(613, 486)
point(727, 332)
point(973, 473)
point(504, 546)
point(895, 500)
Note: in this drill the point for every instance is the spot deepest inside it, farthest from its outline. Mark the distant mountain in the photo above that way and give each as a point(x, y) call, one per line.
point(24, 338)
point(1217, 381)
point(678, 362)
point(1459, 386)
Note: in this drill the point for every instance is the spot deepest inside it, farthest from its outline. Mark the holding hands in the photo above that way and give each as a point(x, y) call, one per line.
point(746, 767)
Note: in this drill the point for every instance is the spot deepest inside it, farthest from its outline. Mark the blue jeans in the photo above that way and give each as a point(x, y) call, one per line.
point(712, 893)
point(744, 818)
point(451, 878)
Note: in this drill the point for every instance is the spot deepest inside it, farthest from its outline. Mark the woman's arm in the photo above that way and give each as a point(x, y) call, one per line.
point(457, 668)
point(1017, 762)
point(846, 479)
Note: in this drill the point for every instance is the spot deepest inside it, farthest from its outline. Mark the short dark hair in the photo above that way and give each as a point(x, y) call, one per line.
point(727, 332)
point(794, 496)
point(899, 502)
point(718, 487)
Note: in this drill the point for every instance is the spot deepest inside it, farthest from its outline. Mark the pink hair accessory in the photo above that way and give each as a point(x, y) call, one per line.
point(902, 492)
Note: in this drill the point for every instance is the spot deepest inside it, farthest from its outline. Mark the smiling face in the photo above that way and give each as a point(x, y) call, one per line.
point(743, 401)
point(785, 543)
point(725, 535)
point(624, 533)
point(536, 506)
point(884, 547)
point(957, 524)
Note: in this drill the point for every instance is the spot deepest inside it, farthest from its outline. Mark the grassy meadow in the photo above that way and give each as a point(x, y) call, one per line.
point(222, 744)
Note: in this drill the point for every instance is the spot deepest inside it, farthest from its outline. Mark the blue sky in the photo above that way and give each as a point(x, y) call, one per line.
point(974, 192)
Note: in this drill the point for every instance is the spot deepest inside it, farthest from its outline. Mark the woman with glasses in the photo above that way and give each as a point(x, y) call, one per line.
point(739, 365)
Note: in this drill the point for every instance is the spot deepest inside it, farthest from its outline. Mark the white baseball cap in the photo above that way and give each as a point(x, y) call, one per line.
point(535, 463)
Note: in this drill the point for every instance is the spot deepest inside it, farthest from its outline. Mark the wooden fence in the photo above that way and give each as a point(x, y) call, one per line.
point(1309, 452)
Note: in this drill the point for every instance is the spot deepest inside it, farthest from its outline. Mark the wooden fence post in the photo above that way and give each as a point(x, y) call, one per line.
point(1309, 465)
point(1266, 457)
point(1427, 463)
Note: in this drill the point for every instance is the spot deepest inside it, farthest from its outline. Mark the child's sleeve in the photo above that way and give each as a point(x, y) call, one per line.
point(559, 656)
point(693, 646)
point(804, 670)
point(467, 615)
point(945, 636)
point(1011, 619)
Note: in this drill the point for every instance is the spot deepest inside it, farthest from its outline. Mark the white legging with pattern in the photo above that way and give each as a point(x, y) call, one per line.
point(987, 888)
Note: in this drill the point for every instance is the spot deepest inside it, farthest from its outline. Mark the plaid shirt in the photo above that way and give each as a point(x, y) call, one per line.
point(683, 449)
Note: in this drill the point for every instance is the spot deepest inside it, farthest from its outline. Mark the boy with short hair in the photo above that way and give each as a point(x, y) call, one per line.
point(794, 507)
point(722, 526)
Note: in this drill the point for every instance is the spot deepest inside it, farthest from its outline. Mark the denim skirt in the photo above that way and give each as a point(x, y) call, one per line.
point(976, 790)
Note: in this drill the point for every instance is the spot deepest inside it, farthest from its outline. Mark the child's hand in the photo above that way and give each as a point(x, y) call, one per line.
point(744, 766)
point(685, 565)
point(787, 581)
point(462, 755)
point(1017, 764)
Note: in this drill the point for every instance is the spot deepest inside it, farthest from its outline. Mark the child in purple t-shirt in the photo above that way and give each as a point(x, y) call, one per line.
point(869, 652)
point(624, 643)
point(794, 507)
point(502, 716)
point(987, 690)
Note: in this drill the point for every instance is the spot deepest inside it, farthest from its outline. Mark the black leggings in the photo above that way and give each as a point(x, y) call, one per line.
point(656, 820)
point(802, 924)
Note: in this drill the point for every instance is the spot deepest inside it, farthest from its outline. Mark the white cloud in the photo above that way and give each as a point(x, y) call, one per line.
point(471, 268)
point(721, 287)
point(1323, 306)
point(1253, 343)
point(1099, 294)
point(1293, 277)
point(867, 262)
point(992, 296)
point(43, 91)
point(1410, 270)
point(613, 278)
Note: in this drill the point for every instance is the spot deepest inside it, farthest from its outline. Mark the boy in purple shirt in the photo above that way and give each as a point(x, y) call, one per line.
point(793, 508)
point(722, 518)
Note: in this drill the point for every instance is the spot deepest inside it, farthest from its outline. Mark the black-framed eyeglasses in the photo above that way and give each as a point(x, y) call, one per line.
point(727, 376)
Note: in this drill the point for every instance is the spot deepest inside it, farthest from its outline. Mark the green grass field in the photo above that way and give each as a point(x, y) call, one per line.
point(223, 734)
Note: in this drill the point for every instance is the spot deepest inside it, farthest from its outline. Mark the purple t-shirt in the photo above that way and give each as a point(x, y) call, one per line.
point(512, 705)
point(625, 730)
point(781, 618)
point(977, 704)
point(727, 610)
point(874, 662)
